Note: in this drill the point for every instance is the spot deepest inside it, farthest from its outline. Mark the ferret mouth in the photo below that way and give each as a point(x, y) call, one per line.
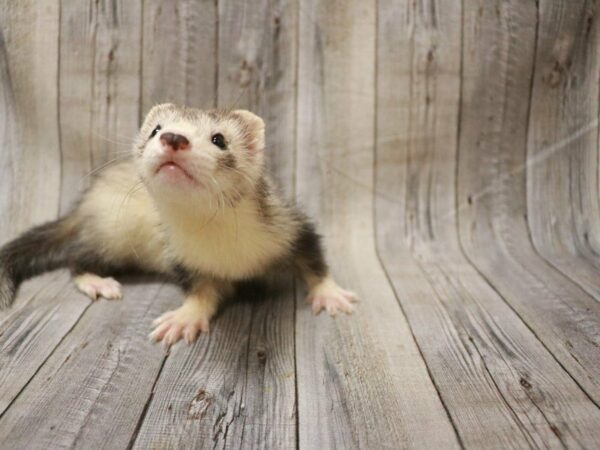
point(173, 168)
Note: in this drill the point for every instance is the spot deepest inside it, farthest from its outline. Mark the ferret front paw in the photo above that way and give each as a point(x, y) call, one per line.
point(332, 298)
point(185, 322)
point(94, 286)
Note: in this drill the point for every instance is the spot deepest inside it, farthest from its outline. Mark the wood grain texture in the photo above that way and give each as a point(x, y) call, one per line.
point(563, 141)
point(30, 172)
point(100, 56)
point(93, 389)
point(29, 71)
point(361, 380)
point(518, 395)
point(257, 71)
point(179, 62)
point(8, 134)
point(234, 388)
point(448, 152)
point(42, 315)
point(492, 194)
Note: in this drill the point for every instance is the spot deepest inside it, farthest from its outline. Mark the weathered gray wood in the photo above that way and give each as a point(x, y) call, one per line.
point(362, 382)
point(93, 389)
point(29, 185)
point(179, 62)
point(30, 154)
point(492, 197)
point(8, 136)
point(562, 147)
point(512, 392)
point(257, 70)
point(99, 75)
point(236, 387)
point(42, 315)
point(480, 121)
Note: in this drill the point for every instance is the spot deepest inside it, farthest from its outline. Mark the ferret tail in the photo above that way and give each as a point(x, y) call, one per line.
point(41, 249)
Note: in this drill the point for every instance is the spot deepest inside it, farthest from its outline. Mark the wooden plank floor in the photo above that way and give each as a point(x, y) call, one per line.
point(449, 152)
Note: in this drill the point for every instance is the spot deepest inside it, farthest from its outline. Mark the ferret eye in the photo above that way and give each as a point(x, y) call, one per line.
point(156, 130)
point(219, 141)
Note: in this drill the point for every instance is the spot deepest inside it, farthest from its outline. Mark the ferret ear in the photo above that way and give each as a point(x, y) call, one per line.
point(156, 110)
point(160, 107)
point(164, 105)
point(256, 126)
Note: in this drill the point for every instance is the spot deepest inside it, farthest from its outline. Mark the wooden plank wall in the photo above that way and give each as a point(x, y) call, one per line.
point(449, 153)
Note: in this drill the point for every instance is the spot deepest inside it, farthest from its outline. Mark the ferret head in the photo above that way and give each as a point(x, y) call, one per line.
point(184, 153)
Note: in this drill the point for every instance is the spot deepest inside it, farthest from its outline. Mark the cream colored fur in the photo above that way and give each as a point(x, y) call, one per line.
point(224, 242)
point(120, 215)
point(209, 217)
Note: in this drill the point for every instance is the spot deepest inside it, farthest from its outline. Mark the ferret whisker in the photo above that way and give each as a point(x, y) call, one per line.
point(235, 197)
point(120, 144)
point(205, 224)
point(243, 175)
point(218, 190)
point(135, 188)
point(235, 212)
point(128, 140)
point(223, 201)
point(106, 164)
point(125, 202)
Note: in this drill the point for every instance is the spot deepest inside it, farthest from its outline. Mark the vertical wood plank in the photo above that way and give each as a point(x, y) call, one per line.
point(29, 176)
point(98, 63)
point(8, 141)
point(100, 47)
point(563, 141)
point(500, 385)
point(93, 389)
point(101, 60)
point(361, 380)
point(492, 191)
point(236, 386)
point(179, 61)
point(257, 71)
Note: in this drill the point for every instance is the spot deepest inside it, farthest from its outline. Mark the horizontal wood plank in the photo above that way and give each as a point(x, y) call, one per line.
point(234, 388)
point(92, 391)
point(44, 312)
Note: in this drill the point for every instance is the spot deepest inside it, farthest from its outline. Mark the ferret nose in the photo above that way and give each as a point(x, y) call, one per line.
point(175, 141)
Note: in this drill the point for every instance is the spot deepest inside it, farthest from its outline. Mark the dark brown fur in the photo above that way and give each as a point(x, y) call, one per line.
point(307, 250)
point(227, 161)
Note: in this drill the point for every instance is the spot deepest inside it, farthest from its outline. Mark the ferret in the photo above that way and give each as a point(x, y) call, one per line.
point(193, 204)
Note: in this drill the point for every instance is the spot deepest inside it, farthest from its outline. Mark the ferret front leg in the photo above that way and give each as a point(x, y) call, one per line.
point(323, 292)
point(199, 307)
